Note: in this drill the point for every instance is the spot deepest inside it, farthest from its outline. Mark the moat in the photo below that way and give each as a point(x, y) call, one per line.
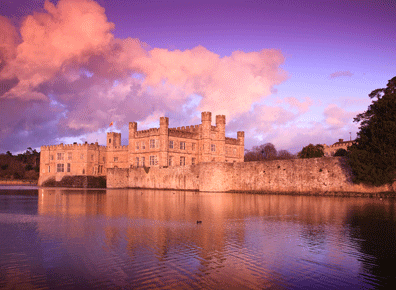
point(139, 239)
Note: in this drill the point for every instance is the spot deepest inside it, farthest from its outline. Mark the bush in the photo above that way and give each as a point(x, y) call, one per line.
point(341, 152)
point(311, 151)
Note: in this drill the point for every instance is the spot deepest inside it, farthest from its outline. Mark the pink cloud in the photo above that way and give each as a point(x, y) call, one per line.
point(337, 117)
point(338, 74)
point(302, 107)
point(228, 85)
point(69, 32)
point(9, 40)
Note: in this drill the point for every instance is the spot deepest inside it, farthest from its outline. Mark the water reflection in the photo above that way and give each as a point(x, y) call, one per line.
point(151, 239)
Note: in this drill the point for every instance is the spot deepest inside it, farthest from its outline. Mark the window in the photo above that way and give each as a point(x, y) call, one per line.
point(104, 159)
point(60, 167)
point(171, 144)
point(193, 161)
point(49, 168)
point(83, 171)
point(137, 161)
point(152, 143)
point(193, 147)
point(143, 162)
point(213, 147)
point(153, 160)
point(91, 157)
point(137, 145)
point(52, 157)
point(115, 159)
point(182, 145)
point(60, 156)
point(68, 167)
point(69, 156)
point(170, 161)
point(182, 161)
point(143, 145)
point(110, 141)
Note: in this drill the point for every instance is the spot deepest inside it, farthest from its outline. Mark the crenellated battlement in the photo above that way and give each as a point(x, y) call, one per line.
point(192, 128)
point(62, 146)
point(231, 141)
point(206, 117)
point(147, 133)
point(174, 132)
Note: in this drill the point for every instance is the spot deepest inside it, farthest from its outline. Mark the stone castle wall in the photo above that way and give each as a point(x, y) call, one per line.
point(302, 176)
point(75, 159)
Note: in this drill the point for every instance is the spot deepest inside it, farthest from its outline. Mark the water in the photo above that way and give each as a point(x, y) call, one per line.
point(144, 239)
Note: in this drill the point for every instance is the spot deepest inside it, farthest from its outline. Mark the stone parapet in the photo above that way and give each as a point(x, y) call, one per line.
point(72, 146)
point(231, 141)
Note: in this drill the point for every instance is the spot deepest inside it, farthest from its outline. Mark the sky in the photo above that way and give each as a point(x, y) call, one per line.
point(289, 73)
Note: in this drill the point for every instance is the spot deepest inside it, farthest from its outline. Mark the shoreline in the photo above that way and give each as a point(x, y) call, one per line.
point(18, 182)
point(378, 195)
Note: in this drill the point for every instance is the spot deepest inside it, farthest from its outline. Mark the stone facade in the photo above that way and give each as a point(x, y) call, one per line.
point(332, 149)
point(155, 147)
point(320, 176)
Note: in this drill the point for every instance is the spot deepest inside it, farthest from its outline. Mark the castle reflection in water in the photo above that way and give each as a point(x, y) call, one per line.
point(257, 240)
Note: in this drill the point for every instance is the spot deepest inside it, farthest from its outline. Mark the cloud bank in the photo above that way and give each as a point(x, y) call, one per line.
point(338, 74)
point(63, 73)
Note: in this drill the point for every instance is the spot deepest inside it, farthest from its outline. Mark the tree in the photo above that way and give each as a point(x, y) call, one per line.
point(373, 156)
point(284, 154)
point(341, 152)
point(311, 151)
point(266, 151)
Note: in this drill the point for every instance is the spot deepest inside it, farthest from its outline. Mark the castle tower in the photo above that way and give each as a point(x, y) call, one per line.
point(206, 120)
point(164, 141)
point(132, 132)
point(220, 143)
point(241, 139)
point(113, 139)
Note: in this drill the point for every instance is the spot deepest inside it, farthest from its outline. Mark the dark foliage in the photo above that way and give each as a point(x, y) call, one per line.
point(341, 152)
point(373, 157)
point(266, 151)
point(311, 151)
point(21, 166)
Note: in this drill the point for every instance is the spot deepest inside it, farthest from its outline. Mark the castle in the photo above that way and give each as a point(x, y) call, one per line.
point(155, 147)
point(332, 149)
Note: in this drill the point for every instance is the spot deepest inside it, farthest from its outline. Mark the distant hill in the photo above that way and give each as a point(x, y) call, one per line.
point(25, 166)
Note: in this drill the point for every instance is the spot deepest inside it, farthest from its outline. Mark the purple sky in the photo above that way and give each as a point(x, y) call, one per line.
point(290, 73)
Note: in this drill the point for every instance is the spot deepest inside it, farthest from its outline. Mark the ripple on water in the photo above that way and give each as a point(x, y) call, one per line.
point(129, 240)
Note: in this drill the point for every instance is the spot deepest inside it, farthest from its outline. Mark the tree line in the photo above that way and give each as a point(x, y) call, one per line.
point(266, 151)
point(21, 166)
